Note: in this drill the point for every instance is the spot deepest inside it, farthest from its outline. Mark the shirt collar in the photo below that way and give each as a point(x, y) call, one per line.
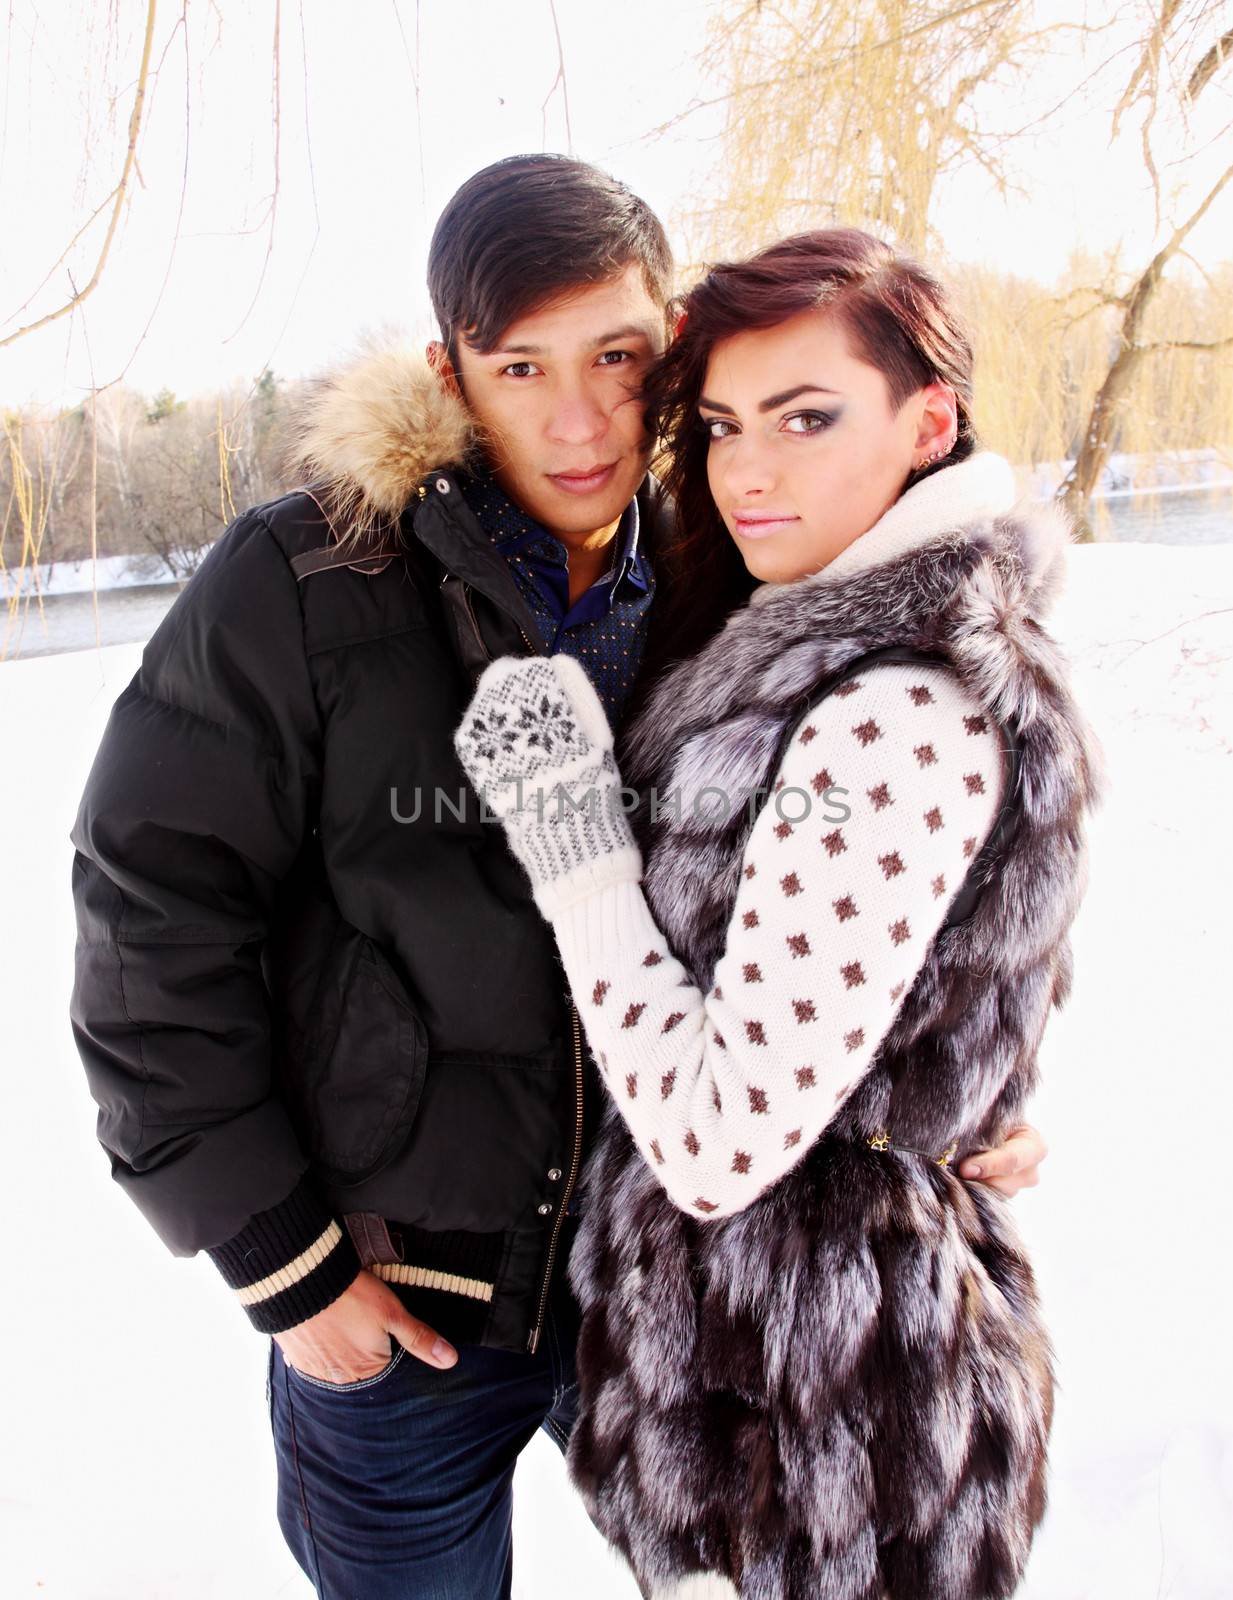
point(512, 529)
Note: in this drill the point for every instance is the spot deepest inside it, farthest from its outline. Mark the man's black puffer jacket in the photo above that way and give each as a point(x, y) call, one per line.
point(310, 980)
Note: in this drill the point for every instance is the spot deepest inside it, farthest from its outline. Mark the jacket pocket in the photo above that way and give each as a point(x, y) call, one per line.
point(357, 1084)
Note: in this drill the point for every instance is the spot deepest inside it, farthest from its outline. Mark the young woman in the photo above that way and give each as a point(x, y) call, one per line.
point(811, 1356)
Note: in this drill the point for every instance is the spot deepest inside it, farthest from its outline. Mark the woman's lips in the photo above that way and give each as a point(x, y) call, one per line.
point(758, 527)
point(585, 482)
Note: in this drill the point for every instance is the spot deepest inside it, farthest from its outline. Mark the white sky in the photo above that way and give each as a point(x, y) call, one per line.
point(353, 222)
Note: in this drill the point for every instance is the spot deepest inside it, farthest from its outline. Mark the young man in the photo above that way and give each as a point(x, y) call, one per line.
point(324, 1023)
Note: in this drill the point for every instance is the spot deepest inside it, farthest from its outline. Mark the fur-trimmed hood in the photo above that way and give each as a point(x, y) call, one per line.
point(366, 433)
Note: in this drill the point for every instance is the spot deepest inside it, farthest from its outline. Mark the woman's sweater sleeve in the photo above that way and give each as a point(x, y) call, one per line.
point(834, 916)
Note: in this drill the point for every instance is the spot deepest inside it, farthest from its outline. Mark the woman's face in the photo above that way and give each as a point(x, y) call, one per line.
point(806, 451)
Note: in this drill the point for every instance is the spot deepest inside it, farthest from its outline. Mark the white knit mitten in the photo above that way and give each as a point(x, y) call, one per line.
point(536, 744)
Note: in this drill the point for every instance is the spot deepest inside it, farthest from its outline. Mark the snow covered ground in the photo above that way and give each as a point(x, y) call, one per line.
point(137, 1462)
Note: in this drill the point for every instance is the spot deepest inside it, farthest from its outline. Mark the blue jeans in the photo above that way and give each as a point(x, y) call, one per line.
point(399, 1486)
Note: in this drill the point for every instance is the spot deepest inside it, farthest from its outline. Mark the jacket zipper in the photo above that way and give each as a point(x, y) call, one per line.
point(533, 1339)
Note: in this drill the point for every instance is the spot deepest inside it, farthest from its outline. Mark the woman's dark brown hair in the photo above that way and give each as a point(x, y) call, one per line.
point(898, 318)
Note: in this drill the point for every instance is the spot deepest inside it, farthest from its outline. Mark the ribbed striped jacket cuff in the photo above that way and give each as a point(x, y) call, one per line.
point(289, 1262)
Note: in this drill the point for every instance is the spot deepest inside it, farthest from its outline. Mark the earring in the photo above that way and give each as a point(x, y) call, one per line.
point(936, 456)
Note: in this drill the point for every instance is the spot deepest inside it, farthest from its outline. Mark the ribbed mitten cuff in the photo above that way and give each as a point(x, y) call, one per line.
point(289, 1262)
point(556, 896)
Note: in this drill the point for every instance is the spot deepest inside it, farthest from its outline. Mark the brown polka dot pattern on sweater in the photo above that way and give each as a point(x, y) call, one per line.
point(855, 911)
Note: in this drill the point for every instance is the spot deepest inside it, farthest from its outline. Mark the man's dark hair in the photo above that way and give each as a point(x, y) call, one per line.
point(529, 228)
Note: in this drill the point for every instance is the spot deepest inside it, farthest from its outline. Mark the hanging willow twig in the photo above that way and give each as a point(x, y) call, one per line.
point(120, 191)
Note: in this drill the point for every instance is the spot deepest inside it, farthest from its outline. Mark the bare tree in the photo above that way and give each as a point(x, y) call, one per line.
point(854, 111)
point(1170, 45)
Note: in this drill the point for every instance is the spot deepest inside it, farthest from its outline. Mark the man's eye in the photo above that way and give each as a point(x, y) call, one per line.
point(519, 369)
point(711, 426)
point(616, 358)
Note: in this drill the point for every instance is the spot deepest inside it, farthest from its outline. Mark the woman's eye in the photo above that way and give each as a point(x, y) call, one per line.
point(519, 369)
point(712, 427)
point(808, 421)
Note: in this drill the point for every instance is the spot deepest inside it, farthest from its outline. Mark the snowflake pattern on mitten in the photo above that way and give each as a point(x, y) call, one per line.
point(519, 725)
point(535, 742)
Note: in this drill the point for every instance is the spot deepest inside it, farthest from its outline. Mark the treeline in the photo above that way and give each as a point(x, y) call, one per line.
point(161, 477)
point(129, 474)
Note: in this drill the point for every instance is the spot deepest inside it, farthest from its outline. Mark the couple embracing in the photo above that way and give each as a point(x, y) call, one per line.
point(572, 945)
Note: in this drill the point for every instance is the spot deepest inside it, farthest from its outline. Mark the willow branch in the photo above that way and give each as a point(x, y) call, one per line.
point(130, 156)
point(1209, 65)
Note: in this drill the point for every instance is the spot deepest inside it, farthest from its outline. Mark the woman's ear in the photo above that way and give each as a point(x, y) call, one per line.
point(938, 426)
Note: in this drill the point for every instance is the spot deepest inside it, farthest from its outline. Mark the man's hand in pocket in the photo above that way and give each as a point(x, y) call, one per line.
point(351, 1338)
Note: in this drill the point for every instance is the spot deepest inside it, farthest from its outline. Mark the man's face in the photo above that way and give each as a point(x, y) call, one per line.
point(560, 402)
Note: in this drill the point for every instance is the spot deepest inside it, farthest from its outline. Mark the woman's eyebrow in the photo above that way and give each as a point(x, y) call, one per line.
point(770, 403)
point(793, 394)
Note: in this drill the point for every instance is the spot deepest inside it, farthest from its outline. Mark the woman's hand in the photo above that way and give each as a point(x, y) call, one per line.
point(537, 747)
point(1013, 1165)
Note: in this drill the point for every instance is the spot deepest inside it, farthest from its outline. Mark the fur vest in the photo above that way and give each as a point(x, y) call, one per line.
point(844, 1392)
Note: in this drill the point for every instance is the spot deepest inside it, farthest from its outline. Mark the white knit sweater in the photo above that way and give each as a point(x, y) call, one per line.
point(724, 1092)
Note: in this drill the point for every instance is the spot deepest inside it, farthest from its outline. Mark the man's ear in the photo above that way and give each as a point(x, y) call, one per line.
point(439, 360)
